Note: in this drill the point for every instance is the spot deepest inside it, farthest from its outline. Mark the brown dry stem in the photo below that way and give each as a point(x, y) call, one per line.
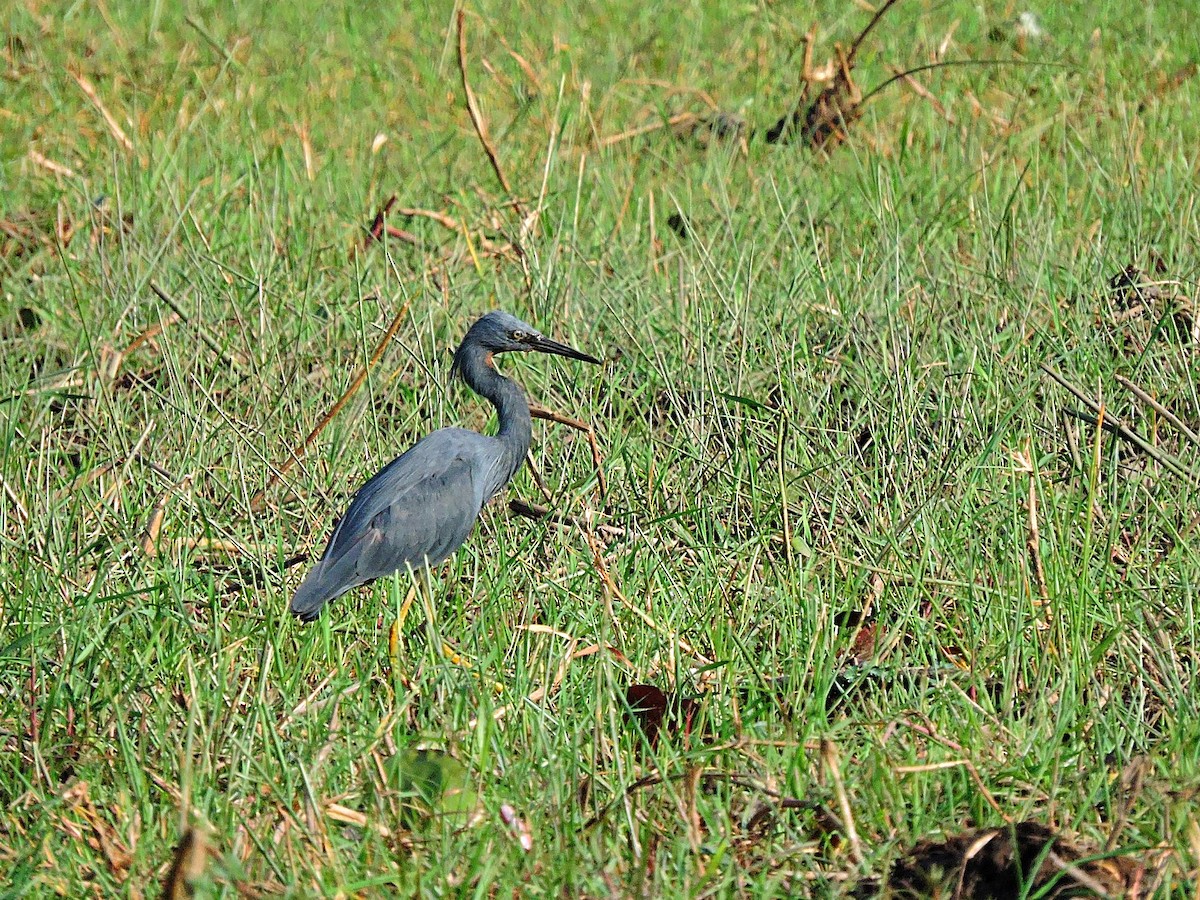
point(1104, 419)
point(477, 120)
point(256, 503)
point(540, 412)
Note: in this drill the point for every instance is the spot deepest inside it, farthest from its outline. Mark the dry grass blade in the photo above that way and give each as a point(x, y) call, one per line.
point(18, 507)
point(579, 425)
point(90, 90)
point(150, 540)
point(829, 755)
point(1105, 419)
point(477, 117)
point(104, 836)
point(1158, 408)
point(256, 504)
point(954, 764)
point(1027, 465)
point(50, 165)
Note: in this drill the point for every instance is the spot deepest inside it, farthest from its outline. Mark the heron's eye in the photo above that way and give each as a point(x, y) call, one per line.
point(518, 335)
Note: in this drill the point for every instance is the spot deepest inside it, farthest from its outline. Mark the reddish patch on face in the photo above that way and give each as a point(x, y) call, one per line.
point(487, 361)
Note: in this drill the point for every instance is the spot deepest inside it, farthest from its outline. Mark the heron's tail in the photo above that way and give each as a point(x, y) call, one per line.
point(311, 596)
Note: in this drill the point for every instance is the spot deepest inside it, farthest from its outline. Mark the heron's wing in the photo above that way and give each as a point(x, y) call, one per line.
point(416, 511)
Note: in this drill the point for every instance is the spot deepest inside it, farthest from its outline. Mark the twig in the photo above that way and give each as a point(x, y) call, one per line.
point(477, 118)
point(1117, 427)
point(534, 511)
point(256, 503)
point(540, 412)
point(90, 90)
point(1158, 408)
point(203, 334)
point(921, 91)
point(951, 63)
point(709, 777)
point(375, 232)
point(862, 35)
point(672, 122)
point(537, 476)
point(451, 224)
point(830, 756)
point(380, 227)
point(446, 221)
point(401, 235)
point(549, 415)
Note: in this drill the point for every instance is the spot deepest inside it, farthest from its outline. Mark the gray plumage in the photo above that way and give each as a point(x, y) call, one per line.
point(421, 507)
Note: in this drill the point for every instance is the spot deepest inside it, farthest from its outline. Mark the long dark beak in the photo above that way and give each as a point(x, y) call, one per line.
point(545, 345)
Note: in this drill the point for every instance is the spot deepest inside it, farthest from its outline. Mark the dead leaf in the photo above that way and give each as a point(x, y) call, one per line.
point(652, 709)
point(187, 865)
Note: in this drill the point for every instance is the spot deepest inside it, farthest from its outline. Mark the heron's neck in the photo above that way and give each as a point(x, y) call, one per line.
point(512, 409)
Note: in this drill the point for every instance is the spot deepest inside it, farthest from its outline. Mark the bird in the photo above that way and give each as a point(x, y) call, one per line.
point(421, 507)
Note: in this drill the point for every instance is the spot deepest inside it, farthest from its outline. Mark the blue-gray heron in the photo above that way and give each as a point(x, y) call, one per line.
point(420, 508)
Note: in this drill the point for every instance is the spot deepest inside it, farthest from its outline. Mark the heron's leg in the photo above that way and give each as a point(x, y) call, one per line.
point(395, 633)
point(421, 583)
point(425, 589)
point(397, 626)
point(424, 579)
point(414, 587)
point(437, 643)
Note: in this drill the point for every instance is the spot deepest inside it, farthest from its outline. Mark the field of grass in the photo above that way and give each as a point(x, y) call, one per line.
point(910, 590)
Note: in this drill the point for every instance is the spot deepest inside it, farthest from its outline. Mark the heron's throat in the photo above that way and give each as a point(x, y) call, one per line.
point(512, 409)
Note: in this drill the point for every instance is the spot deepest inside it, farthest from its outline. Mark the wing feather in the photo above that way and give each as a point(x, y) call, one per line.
point(416, 511)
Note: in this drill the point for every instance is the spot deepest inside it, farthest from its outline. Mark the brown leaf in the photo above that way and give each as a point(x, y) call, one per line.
point(104, 837)
point(648, 707)
point(187, 865)
point(653, 709)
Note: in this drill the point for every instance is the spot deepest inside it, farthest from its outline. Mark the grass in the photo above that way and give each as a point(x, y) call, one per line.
point(828, 395)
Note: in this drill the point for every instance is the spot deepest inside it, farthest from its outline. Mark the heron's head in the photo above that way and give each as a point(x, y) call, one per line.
point(498, 332)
